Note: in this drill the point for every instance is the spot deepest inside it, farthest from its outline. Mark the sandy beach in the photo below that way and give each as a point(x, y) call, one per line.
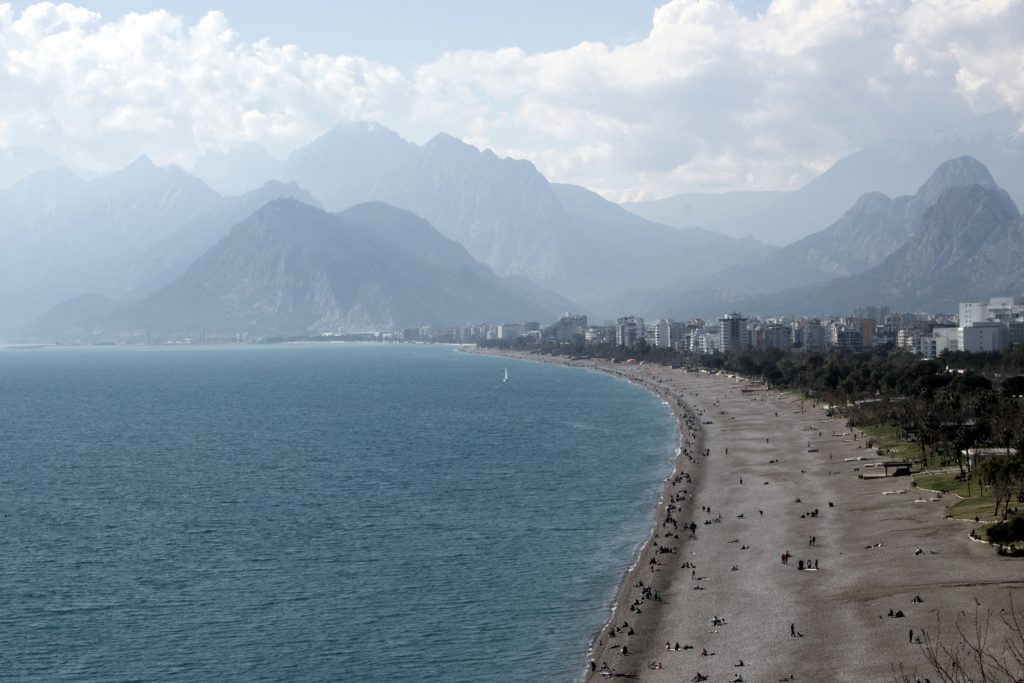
point(761, 475)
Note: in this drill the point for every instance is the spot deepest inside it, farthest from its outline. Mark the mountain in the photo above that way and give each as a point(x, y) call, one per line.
point(18, 163)
point(293, 269)
point(507, 214)
point(116, 235)
point(894, 169)
point(823, 272)
point(347, 164)
point(872, 229)
point(240, 170)
point(969, 247)
point(60, 235)
point(169, 256)
point(71, 320)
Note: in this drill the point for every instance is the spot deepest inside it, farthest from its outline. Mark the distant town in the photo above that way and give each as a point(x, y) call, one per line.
point(984, 326)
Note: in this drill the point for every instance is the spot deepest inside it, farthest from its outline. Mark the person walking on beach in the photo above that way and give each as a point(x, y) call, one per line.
point(792, 630)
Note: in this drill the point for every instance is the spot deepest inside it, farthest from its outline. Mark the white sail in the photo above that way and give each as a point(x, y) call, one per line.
point(506, 375)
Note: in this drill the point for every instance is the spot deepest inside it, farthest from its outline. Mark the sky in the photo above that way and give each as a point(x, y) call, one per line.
point(632, 98)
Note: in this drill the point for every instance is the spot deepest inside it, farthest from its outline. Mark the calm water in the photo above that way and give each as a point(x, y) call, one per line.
point(351, 513)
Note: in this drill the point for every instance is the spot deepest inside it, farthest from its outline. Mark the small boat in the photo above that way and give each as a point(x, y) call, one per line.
point(506, 375)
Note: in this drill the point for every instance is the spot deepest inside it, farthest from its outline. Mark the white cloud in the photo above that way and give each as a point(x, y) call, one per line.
point(710, 99)
point(99, 92)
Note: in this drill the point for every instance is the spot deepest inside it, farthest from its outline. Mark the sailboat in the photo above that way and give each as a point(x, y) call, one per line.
point(506, 375)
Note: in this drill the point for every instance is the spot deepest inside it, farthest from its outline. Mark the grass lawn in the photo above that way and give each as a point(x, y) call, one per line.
point(890, 439)
point(979, 506)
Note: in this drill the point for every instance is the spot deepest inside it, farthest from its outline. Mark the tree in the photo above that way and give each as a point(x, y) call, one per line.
point(975, 651)
point(1013, 386)
point(1003, 475)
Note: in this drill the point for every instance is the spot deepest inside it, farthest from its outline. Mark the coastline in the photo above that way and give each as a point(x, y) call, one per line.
point(790, 485)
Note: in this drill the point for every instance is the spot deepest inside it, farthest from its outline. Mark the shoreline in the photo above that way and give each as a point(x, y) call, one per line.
point(780, 477)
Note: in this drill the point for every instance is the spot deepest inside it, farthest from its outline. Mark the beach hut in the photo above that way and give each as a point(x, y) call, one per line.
point(900, 468)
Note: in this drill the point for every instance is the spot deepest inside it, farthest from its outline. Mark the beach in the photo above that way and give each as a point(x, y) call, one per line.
point(769, 550)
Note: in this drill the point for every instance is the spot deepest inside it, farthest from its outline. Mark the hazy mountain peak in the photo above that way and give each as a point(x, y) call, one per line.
point(959, 172)
point(273, 189)
point(56, 177)
point(285, 206)
point(292, 269)
point(442, 143)
point(142, 163)
point(17, 163)
point(348, 133)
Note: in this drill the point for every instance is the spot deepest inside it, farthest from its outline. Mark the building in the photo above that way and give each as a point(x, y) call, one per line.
point(878, 314)
point(812, 337)
point(775, 336)
point(866, 327)
point(629, 330)
point(734, 335)
point(706, 340)
point(509, 331)
point(600, 334)
point(568, 328)
point(983, 337)
point(1016, 332)
point(976, 456)
point(848, 340)
point(661, 334)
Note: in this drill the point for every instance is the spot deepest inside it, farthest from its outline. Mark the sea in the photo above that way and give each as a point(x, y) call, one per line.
point(315, 512)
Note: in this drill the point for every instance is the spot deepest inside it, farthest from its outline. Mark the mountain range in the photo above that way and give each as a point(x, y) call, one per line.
point(291, 268)
point(894, 168)
point(61, 236)
point(504, 211)
point(968, 246)
point(363, 230)
point(953, 240)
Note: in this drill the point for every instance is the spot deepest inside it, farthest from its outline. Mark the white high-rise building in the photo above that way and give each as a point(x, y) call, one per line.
point(629, 330)
point(662, 330)
point(735, 336)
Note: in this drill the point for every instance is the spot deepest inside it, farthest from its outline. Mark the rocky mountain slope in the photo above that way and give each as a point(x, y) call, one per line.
point(912, 251)
point(61, 236)
point(293, 269)
point(506, 213)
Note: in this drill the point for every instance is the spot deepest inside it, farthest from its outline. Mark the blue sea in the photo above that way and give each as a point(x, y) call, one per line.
point(314, 512)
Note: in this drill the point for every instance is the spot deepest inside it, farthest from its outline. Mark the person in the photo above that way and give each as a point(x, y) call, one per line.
point(792, 630)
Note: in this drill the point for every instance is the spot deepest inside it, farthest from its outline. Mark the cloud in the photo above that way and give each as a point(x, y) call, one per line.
point(99, 92)
point(710, 99)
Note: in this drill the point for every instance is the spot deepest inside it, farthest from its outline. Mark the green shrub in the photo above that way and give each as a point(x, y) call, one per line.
point(1004, 533)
